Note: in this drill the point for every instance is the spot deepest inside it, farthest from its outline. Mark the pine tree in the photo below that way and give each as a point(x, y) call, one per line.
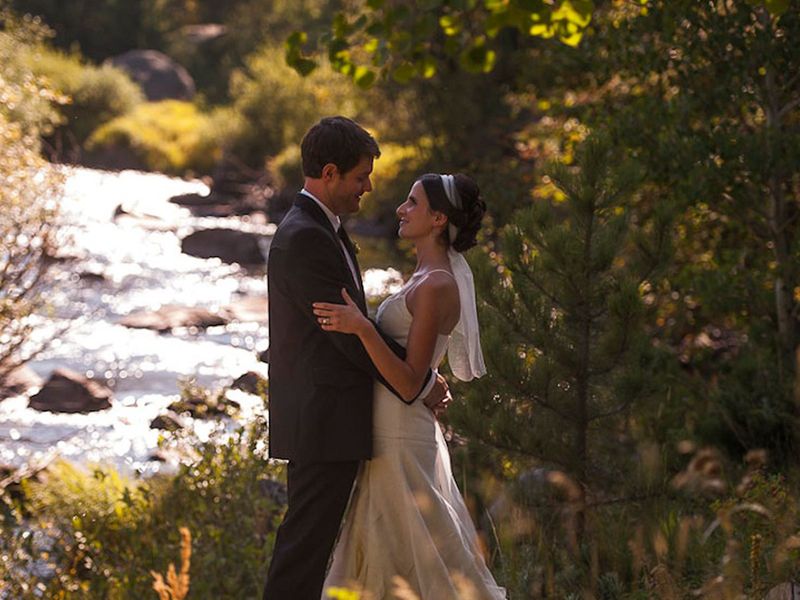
point(561, 307)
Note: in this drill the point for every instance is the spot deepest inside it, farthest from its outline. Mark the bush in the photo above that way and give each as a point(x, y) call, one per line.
point(27, 99)
point(169, 136)
point(27, 197)
point(277, 105)
point(109, 532)
point(97, 94)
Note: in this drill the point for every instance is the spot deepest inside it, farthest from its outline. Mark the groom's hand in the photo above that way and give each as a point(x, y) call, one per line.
point(439, 397)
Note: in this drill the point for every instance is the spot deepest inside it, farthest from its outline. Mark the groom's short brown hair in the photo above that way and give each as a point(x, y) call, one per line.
point(337, 140)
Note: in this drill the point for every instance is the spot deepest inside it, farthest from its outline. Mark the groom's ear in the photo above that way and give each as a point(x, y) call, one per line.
point(329, 171)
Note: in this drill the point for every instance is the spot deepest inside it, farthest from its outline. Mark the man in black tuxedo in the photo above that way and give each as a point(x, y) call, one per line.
point(320, 383)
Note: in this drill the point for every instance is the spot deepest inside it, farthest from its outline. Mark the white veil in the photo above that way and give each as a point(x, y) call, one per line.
point(464, 352)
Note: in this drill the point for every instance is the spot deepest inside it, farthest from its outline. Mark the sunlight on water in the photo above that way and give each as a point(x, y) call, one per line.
point(142, 268)
point(120, 264)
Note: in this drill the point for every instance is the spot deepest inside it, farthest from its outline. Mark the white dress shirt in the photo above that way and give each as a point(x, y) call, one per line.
point(336, 222)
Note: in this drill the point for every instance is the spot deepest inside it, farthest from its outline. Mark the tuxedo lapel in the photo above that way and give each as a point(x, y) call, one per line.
point(308, 206)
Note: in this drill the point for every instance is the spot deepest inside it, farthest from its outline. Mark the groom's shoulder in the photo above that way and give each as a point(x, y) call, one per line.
point(298, 227)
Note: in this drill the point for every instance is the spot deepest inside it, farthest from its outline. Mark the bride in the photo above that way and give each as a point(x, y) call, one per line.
point(407, 524)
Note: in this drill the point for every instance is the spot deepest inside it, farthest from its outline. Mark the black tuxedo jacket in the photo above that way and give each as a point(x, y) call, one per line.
point(320, 383)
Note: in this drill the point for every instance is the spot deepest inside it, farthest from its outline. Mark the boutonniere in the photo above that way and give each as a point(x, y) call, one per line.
point(356, 247)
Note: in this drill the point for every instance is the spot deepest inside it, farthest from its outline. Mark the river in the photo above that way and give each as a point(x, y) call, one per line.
point(122, 264)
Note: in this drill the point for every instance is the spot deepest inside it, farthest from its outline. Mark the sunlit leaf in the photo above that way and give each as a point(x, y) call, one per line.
point(371, 46)
point(478, 58)
point(426, 67)
point(541, 30)
point(364, 77)
point(450, 24)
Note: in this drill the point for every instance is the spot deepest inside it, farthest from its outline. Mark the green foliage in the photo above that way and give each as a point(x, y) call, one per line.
point(276, 105)
point(96, 94)
point(113, 531)
point(28, 100)
point(561, 313)
point(170, 136)
point(711, 109)
point(389, 40)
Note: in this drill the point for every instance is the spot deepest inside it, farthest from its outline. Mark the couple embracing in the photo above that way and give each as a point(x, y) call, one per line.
point(353, 402)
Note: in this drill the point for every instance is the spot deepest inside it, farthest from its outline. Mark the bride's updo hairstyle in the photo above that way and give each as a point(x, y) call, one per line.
point(466, 219)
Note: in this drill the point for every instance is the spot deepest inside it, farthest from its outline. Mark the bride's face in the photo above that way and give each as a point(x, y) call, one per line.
point(417, 220)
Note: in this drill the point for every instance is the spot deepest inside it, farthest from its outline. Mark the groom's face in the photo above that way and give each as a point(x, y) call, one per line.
point(345, 190)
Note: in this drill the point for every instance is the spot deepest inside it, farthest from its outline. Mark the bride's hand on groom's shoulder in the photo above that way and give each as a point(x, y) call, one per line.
point(343, 318)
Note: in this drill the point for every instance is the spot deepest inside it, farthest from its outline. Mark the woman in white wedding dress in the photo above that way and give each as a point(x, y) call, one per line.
point(407, 518)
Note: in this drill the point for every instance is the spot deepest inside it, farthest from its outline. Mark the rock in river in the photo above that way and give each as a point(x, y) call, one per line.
point(229, 245)
point(170, 316)
point(70, 392)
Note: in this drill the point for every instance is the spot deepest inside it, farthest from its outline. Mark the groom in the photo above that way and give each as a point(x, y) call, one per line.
point(320, 383)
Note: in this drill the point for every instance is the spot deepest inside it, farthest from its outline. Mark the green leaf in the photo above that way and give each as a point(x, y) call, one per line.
point(478, 58)
point(450, 24)
point(574, 11)
point(426, 67)
point(296, 39)
point(364, 77)
point(304, 66)
point(337, 47)
point(377, 29)
point(340, 26)
point(375, 4)
point(403, 73)
point(371, 46)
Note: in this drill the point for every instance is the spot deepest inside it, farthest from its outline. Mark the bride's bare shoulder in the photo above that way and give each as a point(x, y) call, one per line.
point(436, 295)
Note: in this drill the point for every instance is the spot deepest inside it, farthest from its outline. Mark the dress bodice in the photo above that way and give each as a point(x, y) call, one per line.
point(394, 319)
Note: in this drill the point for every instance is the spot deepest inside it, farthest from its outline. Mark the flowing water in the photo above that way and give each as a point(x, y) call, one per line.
point(120, 264)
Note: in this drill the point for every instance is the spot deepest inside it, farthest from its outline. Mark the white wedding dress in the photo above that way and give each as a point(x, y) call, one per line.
point(407, 517)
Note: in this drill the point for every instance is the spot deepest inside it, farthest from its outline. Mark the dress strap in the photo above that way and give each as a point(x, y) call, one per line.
point(440, 271)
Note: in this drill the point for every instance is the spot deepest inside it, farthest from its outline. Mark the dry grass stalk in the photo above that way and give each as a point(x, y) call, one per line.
point(177, 584)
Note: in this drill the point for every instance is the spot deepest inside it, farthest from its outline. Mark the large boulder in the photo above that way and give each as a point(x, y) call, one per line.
point(70, 392)
point(160, 77)
point(229, 245)
point(170, 316)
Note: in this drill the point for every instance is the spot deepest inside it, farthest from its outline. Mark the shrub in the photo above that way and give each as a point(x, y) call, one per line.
point(28, 195)
point(113, 532)
point(277, 105)
point(169, 136)
point(27, 99)
point(97, 93)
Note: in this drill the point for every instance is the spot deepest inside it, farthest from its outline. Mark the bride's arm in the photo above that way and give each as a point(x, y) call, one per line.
point(430, 303)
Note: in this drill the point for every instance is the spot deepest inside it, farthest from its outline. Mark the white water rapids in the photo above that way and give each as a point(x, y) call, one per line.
point(142, 268)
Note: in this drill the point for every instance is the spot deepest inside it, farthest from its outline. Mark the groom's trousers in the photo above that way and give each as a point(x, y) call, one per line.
point(318, 494)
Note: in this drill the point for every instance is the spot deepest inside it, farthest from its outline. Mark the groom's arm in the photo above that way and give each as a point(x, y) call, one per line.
point(314, 272)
